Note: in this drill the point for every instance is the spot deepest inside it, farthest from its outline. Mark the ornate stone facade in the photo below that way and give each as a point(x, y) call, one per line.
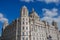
point(30, 28)
point(59, 35)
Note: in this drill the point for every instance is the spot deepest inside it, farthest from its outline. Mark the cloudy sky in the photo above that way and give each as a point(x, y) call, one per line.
point(48, 10)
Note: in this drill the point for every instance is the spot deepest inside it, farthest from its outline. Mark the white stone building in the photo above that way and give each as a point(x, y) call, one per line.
point(29, 27)
point(59, 35)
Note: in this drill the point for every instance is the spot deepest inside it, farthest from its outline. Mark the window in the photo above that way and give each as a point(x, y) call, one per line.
point(26, 28)
point(32, 29)
point(23, 22)
point(23, 18)
point(33, 38)
point(26, 33)
point(23, 27)
point(24, 11)
point(31, 16)
point(22, 33)
point(23, 38)
point(40, 38)
point(37, 38)
point(26, 23)
point(26, 19)
point(26, 38)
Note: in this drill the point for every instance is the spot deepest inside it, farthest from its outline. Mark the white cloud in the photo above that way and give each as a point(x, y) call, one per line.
point(57, 19)
point(49, 15)
point(1, 15)
point(27, 0)
point(50, 1)
point(2, 18)
point(46, 1)
point(48, 19)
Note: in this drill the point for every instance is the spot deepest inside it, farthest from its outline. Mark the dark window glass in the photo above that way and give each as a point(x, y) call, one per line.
point(27, 38)
point(26, 23)
point(23, 27)
point(23, 38)
point(26, 28)
point(23, 33)
point(23, 22)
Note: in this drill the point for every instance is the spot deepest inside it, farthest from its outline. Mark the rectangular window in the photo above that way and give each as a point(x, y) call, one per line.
point(23, 33)
point(33, 38)
point(26, 38)
point(23, 38)
point(24, 11)
point(23, 18)
point(23, 27)
point(23, 22)
point(26, 33)
point(37, 38)
point(40, 38)
point(26, 28)
point(26, 23)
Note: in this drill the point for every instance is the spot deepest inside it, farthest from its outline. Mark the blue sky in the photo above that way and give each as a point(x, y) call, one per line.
point(10, 9)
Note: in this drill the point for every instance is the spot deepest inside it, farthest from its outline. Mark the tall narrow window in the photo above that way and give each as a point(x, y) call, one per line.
point(23, 38)
point(26, 28)
point(26, 33)
point(23, 33)
point(24, 11)
point(33, 38)
point(26, 38)
point(37, 38)
point(40, 38)
point(23, 22)
point(23, 27)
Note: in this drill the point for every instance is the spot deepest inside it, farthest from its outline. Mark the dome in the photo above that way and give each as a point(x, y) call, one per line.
point(33, 13)
point(24, 6)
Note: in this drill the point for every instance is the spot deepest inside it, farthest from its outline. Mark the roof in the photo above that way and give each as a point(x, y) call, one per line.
point(24, 6)
point(34, 13)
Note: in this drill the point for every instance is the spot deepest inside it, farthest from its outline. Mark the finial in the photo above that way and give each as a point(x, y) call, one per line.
point(24, 6)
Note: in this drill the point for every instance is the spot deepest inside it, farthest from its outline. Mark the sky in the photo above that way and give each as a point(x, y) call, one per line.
point(48, 10)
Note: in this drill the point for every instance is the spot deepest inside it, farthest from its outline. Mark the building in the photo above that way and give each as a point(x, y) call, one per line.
point(59, 35)
point(29, 27)
point(0, 38)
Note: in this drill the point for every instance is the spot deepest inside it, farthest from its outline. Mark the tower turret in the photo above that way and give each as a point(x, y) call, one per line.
point(24, 11)
point(24, 23)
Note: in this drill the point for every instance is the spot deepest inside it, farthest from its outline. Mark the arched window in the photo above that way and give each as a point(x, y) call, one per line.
point(24, 11)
